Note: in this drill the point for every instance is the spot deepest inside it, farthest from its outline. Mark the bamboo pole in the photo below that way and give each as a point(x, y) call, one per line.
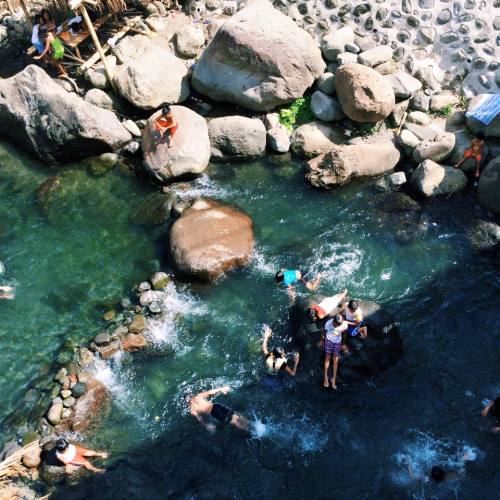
point(10, 7)
point(26, 13)
point(93, 34)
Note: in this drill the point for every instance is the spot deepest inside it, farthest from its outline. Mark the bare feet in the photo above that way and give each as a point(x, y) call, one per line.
point(103, 455)
point(326, 384)
point(334, 385)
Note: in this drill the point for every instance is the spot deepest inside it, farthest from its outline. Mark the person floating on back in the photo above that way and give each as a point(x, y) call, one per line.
point(329, 306)
point(203, 410)
point(276, 362)
point(354, 318)
point(475, 151)
point(53, 47)
point(73, 455)
point(165, 126)
point(333, 344)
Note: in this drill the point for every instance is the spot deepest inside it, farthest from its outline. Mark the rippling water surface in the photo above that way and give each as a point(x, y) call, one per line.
point(353, 444)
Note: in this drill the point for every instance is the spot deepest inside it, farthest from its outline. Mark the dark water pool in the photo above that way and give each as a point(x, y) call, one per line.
point(308, 443)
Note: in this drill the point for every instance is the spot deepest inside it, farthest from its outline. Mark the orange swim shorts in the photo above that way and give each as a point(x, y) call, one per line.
point(468, 153)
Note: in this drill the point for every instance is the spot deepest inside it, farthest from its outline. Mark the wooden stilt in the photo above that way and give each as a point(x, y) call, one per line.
point(93, 34)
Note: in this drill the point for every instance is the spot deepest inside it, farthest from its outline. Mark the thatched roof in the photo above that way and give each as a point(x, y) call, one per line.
point(62, 6)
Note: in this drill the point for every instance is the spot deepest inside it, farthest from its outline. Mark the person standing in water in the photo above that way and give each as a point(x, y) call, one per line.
point(333, 345)
point(276, 362)
point(73, 455)
point(203, 409)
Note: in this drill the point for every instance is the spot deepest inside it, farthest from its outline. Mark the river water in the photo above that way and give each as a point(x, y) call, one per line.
point(76, 261)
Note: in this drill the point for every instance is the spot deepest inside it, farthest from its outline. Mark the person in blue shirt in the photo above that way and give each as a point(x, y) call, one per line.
point(292, 277)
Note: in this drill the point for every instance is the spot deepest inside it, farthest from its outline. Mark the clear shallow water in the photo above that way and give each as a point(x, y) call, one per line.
point(307, 442)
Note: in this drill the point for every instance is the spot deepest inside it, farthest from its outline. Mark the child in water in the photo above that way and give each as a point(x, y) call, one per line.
point(475, 151)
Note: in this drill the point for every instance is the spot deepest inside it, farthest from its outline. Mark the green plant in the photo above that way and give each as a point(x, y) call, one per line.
point(369, 128)
point(297, 114)
point(445, 110)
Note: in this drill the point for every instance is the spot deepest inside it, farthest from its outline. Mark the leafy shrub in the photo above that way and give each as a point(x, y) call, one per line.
point(297, 114)
point(445, 110)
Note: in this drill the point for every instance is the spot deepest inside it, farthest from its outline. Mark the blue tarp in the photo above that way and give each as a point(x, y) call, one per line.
point(487, 109)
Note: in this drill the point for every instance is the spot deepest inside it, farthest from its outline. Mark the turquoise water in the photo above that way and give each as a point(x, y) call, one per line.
point(307, 441)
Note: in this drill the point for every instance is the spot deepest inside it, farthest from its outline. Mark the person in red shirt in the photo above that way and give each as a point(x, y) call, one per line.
point(475, 151)
point(165, 126)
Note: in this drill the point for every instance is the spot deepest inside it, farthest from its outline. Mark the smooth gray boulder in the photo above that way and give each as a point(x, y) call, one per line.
point(189, 40)
point(313, 139)
point(404, 85)
point(343, 163)
point(488, 189)
point(151, 75)
point(258, 59)
point(432, 179)
point(375, 56)
point(436, 149)
point(190, 151)
point(53, 124)
point(334, 43)
point(364, 94)
point(236, 138)
point(325, 108)
point(278, 139)
point(326, 83)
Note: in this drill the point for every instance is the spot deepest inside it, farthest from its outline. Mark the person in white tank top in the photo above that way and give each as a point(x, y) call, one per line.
point(72, 455)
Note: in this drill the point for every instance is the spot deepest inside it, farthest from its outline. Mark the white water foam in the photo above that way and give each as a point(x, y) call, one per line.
point(163, 330)
point(425, 451)
point(302, 434)
point(203, 187)
point(263, 263)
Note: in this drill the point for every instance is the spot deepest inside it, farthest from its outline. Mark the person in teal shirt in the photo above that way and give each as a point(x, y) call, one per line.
point(290, 277)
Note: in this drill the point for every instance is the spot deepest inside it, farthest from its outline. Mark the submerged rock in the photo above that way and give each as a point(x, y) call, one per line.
point(270, 60)
point(342, 163)
point(190, 149)
point(210, 239)
point(54, 124)
point(154, 210)
point(367, 358)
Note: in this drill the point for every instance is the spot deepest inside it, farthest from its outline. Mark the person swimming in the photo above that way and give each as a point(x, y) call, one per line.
point(276, 362)
point(493, 409)
point(329, 306)
point(293, 277)
point(7, 292)
point(202, 408)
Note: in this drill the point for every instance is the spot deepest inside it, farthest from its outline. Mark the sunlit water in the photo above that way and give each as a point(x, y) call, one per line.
point(351, 444)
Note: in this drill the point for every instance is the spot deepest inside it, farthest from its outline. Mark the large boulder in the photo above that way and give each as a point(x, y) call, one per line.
point(342, 163)
point(364, 94)
point(313, 139)
point(367, 358)
point(53, 124)
point(190, 150)
point(189, 40)
point(151, 75)
point(484, 236)
point(236, 137)
point(210, 239)
point(89, 408)
point(488, 189)
point(436, 149)
point(432, 179)
point(259, 59)
point(325, 108)
point(491, 130)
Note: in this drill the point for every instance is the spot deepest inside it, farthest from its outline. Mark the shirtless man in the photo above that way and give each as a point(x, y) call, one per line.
point(165, 126)
point(73, 455)
point(203, 410)
point(475, 151)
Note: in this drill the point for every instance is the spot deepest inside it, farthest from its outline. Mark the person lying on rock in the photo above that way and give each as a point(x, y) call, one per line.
point(53, 47)
point(333, 342)
point(329, 306)
point(73, 455)
point(475, 151)
point(276, 362)
point(165, 126)
point(493, 409)
point(6, 292)
point(202, 408)
point(354, 318)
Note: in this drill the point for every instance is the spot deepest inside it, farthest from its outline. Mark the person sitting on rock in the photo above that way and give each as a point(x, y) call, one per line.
point(6, 292)
point(202, 409)
point(55, 48)
point(165, 126)
point(72, 455)
point(329, 306)
point(276, 362)
point(475, 151)
point(333, 345)
point(354, 318)
point(493, 409)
